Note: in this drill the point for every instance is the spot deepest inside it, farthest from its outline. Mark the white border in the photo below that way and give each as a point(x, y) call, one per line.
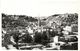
point(39, 10)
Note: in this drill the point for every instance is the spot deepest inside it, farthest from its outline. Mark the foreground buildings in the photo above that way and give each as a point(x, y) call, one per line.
point(56, 32)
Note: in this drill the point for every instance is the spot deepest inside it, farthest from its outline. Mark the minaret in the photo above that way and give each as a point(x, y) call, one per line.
point(38, 21)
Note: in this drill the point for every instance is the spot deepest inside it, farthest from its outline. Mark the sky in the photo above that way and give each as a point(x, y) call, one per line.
point(39, 7)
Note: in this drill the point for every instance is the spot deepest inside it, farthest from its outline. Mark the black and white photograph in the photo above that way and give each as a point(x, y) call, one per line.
point(39, 25)
point(56, 32)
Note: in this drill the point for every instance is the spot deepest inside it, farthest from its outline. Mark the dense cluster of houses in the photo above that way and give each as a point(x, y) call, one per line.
point(52, 33)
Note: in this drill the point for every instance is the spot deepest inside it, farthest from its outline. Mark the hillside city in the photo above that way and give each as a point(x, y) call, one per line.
point(55, 32)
